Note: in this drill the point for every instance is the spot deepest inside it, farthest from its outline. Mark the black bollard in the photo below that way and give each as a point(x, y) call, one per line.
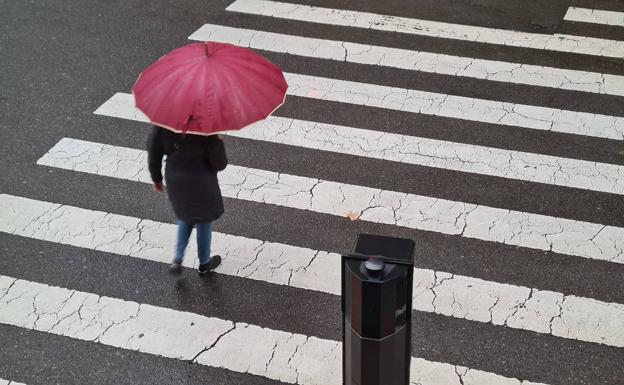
point(377, 311)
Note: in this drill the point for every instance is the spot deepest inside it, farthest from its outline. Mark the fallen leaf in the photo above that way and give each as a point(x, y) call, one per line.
point(353, 215)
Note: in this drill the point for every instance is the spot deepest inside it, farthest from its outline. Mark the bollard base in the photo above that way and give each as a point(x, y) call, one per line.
point(371, 361)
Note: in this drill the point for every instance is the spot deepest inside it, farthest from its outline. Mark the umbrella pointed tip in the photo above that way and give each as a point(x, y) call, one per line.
point(207, 48)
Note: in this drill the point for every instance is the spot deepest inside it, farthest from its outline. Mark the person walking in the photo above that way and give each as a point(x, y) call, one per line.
point(193, 162)
point(191, 95)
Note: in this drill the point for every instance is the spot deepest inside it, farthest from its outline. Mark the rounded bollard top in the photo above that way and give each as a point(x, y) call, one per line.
point(374, 266)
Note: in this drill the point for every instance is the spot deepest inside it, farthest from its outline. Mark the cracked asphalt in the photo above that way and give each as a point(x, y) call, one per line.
point(62, 60)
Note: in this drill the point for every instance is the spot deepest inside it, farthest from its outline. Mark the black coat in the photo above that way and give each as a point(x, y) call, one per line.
point(190, 172)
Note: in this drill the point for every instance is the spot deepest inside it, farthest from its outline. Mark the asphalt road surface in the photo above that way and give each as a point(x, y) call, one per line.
point(490, 132)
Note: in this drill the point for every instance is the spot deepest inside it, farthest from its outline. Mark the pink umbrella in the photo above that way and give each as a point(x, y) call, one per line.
point(206, 88)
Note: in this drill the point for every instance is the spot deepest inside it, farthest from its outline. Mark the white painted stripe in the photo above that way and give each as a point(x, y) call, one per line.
point(415, 60)
point(556, 42)
point(518, 307)
point(7, 382)
point(415, 150)
point(451, 106)
point(438, 292)
point(154, 241)
point(276, 354)
point(560, 235)
point(459, 107)
point(595, 16)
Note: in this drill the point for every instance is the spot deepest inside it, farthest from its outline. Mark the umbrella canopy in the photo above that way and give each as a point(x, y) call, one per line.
point(206, 88)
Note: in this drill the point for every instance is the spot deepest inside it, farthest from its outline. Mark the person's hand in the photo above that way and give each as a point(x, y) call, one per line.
point(158, 187)
point(219, 136)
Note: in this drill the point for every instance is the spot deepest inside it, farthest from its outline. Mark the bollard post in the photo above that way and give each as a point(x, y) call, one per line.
point(376, 311)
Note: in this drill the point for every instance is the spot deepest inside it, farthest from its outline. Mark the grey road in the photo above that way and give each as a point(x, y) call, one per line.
point(490, 132)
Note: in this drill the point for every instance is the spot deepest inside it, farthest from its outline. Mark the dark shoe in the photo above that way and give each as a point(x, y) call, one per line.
point(212, 264)
point(175, 268)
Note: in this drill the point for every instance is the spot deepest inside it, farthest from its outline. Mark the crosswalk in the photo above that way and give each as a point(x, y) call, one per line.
point(7, 382)
point(556, 42)
point(415, 60)
point(504, 293)
point(415, 150)
point(589, 240)
point(596, 16)
point(451, 106)
point(276, 354)
point(439, 292)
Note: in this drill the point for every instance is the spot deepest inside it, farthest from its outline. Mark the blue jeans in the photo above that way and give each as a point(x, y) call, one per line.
point(204, 237)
